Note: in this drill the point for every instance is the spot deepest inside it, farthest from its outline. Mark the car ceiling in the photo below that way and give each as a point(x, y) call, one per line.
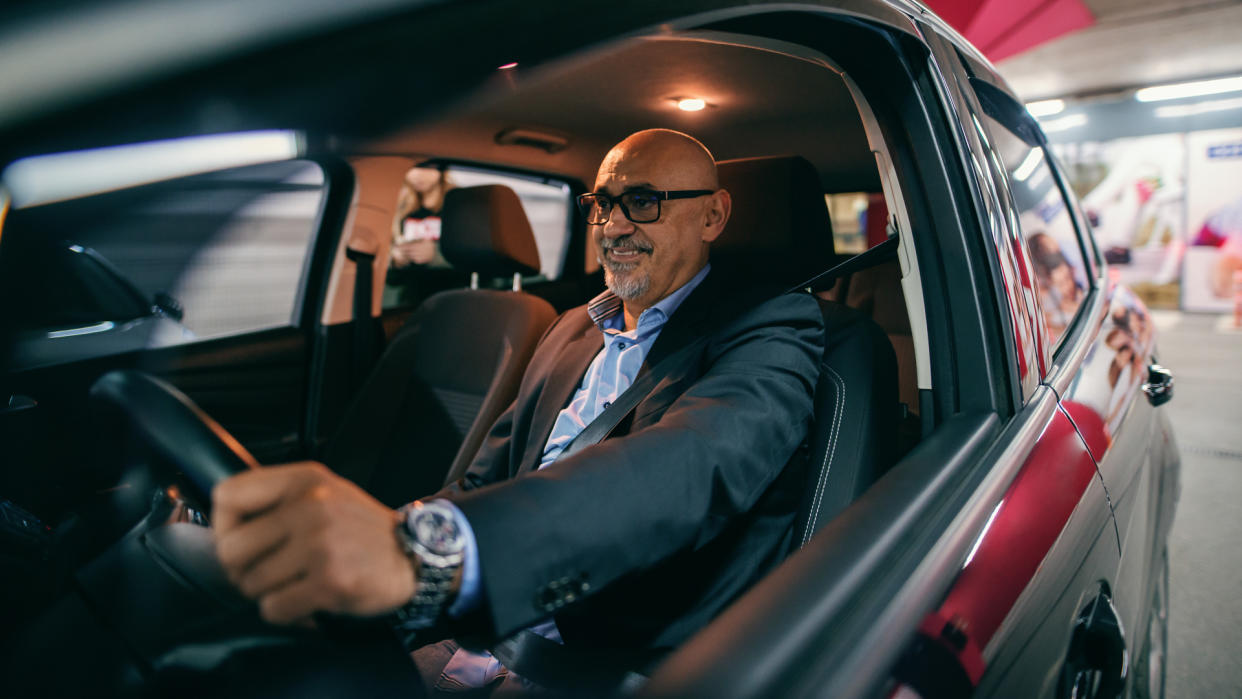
point(761, 102)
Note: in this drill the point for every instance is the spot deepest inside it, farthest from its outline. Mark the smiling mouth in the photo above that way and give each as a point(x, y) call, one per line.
point(623, 257)
point(626, 254)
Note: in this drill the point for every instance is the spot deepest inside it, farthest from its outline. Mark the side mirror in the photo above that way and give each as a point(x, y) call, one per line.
point(169, 306)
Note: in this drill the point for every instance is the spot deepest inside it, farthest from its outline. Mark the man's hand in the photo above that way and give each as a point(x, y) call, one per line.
point(299, 539)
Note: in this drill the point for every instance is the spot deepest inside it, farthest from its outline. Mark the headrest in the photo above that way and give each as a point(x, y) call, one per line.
point(780, 228)
point(484, 229)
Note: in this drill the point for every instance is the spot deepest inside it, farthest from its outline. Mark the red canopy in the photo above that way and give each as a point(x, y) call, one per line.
point(1003, 28)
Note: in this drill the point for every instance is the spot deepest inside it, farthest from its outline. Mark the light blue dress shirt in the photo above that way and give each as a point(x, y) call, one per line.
point(610, 373)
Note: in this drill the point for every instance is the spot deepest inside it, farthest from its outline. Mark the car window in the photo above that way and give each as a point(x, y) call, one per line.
point(416, 266)
point(189, 259)
point(1047, 227)
point(859, 221)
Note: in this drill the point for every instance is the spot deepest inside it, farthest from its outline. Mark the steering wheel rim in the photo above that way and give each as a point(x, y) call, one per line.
point(175, 428)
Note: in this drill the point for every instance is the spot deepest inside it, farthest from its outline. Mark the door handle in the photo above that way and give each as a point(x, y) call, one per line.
point(1159, 385)
point(1098, 663)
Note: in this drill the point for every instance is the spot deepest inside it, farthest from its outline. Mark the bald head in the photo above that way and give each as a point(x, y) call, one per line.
point(673, 177)
point(680, 159)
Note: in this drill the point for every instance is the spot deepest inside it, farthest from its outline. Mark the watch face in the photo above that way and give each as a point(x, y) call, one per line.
point(436, 529)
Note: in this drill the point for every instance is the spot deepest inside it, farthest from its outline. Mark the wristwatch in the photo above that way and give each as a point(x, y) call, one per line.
point(429, 535)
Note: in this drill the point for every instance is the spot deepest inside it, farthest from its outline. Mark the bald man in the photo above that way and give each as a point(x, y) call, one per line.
point(603, 559)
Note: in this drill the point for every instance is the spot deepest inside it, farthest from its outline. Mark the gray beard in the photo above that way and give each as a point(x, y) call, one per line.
point(627, 288)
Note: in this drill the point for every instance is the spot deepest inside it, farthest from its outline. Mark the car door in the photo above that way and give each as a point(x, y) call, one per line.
point(233, 266)
point(1113, 394)
point(1050, 544)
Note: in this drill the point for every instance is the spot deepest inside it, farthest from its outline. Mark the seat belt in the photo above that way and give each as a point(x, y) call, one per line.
point(605, 422)
point(363, 349)
point(863, 260)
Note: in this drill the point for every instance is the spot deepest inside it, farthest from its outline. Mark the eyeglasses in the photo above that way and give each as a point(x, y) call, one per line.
point(638, 205)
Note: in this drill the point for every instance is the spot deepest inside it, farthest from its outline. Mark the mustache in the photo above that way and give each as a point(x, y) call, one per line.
point(624, 242)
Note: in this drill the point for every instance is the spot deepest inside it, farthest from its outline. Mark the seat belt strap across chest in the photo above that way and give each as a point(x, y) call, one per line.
point(607, 421)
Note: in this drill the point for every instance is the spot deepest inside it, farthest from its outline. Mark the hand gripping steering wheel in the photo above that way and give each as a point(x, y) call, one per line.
point(245, 660)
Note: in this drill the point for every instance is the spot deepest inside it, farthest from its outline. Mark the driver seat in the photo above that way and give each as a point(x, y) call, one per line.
point(780, 228)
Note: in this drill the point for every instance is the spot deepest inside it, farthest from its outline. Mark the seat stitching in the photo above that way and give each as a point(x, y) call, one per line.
point(824, 467)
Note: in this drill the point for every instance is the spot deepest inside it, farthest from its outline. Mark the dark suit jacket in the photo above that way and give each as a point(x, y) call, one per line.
point(639, 541)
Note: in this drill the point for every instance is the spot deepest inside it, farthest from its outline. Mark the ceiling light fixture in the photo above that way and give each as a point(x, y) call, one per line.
point(508, 66)
point(1044, 108)
point(1196, 108)
point(1197, 88)
point(1064, 123)
point(691, 104)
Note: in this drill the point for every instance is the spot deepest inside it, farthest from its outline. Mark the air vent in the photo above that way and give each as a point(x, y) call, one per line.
point(533, 138)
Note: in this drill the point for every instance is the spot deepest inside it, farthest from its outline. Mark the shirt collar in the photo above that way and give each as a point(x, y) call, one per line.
point(605, 309)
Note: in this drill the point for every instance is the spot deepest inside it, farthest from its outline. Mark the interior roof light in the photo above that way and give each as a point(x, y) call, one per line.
point(691, 104)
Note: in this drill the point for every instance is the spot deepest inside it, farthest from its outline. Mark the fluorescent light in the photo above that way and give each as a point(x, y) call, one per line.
point(1063, 123)
point(1185, 110)
point(691, 104)
point(1028, 165)
point(1197, 88)
point(1045, 108)
point(47, 178)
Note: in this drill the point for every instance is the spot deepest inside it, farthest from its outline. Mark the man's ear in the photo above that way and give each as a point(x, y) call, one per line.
point(717, 215)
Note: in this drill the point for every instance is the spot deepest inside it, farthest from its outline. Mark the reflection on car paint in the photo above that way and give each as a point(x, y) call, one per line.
point(1020, 533)
point(1114, 367)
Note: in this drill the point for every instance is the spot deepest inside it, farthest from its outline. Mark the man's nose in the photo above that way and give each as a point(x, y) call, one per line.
point(618, 224)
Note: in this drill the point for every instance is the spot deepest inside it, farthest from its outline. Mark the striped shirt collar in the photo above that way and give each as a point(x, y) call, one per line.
point(605, 308)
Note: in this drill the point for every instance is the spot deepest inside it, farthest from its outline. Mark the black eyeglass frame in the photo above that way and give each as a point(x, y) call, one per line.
point(585, 202)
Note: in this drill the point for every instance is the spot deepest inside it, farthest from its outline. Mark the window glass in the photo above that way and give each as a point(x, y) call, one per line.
point(416, 267)
point(190, 259)
point(1048, 228)
point(859, 221)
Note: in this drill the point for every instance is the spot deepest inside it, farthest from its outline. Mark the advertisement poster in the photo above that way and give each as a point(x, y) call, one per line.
point(1213, 268)
point(1134, 192)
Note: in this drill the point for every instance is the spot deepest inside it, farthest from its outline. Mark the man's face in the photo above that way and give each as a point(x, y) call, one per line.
point(644, 262)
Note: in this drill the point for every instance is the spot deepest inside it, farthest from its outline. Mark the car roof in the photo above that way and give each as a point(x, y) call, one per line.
point(97, 73)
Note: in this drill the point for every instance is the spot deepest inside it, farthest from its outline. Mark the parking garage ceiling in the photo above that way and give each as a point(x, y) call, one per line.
point(1131, 44)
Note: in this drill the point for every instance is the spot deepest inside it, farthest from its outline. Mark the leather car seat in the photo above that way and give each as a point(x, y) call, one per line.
point(780, 231)
point(455, 364)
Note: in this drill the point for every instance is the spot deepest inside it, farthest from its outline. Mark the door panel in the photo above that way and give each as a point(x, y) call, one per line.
point(1121, 428)
point(1050, 538)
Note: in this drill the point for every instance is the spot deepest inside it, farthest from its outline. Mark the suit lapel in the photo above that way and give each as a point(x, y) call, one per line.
point(570, 366)
point(693, 317)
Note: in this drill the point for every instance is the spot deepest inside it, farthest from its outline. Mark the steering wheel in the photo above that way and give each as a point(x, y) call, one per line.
point(175, 428)
point(161, 592)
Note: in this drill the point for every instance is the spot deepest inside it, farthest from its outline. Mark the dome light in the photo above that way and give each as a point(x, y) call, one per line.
point(691, 104)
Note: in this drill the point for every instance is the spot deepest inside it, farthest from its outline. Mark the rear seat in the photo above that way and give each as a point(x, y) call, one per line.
point(877, 292)
point(454, 365)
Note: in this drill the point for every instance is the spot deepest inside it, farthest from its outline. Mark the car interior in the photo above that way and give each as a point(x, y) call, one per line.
point(815, 166)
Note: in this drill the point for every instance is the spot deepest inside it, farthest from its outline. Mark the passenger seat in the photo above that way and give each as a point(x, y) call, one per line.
point(456, 363)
